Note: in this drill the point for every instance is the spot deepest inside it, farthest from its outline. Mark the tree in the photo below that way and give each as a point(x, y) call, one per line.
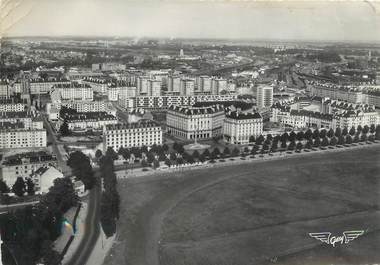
point(3, 187)
point(168, 162)
point(156, 164)
point(260, 140)
point(372, 129)
point(19, 187)
point(316, 134)
point(215, 153)
point(251, 139)
point(338, 132)
point(349, 139)
point(377, 134)
point(323, 134)
point(235, 152)
point(330, 133)
point(317, 142)
point(333, 141)
point(64, 128)
point(29, 187)
point(300, 136)
point(283, 144)
point(81, 167)
point(292, 136)
point(98, 154)
point(356, 138)
point(165, 147)
point(352, 131)
point(308, 134)
point(226, 151)
point(144, 163)
point(341, 140)
point(325, 141)
point(246, 150)
point(299, 146)
point(150, 157)
point(292, 145)
point(359, 129)
point(111, 153)
point(363, 138)
point(173, 156)
point(344, 131)
point(309, 144)
point(206, 153)
point(195, 154)
point(284, 137)
point(202, 158)
point(365, 129)
point(269, 137)
point(274, 146)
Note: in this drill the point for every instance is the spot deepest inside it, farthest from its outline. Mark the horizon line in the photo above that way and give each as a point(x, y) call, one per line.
point(192, 38)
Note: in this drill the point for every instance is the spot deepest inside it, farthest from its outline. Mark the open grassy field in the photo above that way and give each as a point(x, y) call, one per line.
point(254, 213)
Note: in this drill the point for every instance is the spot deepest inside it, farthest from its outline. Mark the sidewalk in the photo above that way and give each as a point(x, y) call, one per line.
point(237, 160)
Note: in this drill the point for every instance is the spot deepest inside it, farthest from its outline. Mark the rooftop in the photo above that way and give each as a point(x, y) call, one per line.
point(27, 158)
point(197, 110)
point(89, 116)
point(135, 125)
point(242, 115)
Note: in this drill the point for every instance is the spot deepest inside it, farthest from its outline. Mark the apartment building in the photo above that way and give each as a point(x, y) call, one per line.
point(238, 127)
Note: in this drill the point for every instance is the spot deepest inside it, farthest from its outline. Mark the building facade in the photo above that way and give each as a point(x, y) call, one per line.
point(195, 123)
point(142, 133)
point(264, 97)
point(14, 135)
point(239, 127)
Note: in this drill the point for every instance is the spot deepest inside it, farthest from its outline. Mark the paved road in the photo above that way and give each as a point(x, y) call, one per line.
point(92, 230)
point(52, 138)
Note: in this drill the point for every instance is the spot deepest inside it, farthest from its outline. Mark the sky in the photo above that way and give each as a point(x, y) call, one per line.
point(323, 21)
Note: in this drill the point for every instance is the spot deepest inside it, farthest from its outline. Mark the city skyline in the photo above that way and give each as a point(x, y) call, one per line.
point(317, 21)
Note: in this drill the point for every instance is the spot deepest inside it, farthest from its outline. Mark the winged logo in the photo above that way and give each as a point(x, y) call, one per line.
point(347, 237)
point(324, 236)
point(351, 235)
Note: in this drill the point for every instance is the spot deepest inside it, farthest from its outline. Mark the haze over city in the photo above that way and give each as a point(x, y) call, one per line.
point(323, 21)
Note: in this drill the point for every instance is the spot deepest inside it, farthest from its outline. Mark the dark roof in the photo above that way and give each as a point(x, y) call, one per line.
point(30, 157)
point(11, 126)
point(134, 125)
point(318, 115)
point(101, 115)
point(197, 110)
point(243, 116)
point(15, 114)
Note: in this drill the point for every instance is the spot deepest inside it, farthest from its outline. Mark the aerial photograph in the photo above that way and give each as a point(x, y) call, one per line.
point(186, 132)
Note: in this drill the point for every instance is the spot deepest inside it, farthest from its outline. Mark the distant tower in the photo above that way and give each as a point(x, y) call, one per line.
point(25, 90)
point(369, 55)
point(181, 53)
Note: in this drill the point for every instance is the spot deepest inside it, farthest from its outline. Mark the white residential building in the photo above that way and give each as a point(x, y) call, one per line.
point(238, 127)
point(187, 87)
point(191, 122)
point(264, 97)
point(24, 164)
point(14, 135)
point(142, 133)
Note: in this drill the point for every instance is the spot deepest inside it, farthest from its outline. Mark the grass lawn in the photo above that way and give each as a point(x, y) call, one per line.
point(254, 213)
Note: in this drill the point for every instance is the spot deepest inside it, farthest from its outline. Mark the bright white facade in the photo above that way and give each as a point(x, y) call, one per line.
point(143, 133)
point(21, 137)
point(239, 127)
point(191, 122)
point(264, 97)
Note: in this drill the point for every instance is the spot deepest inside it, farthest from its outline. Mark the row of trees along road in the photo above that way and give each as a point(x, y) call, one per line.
point(28, 233)
point(110, 202)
